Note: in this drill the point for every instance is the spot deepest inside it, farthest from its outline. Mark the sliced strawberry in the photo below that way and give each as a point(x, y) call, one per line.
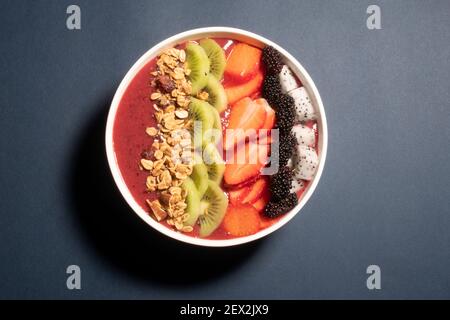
point(256, 95)
point(246, 89)
point(244, 115)
point(244, 184)
point(243, 62)
point(264, 137)
point(270, 114)
point(261, 203)
point(241, 220)
point(256, 156)
point(256, 191)
point(236, 195)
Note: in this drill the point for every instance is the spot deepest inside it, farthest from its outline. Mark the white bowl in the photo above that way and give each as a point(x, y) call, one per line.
point(218, 32)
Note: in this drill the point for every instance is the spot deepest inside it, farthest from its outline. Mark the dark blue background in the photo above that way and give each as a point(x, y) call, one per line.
point(383, 198)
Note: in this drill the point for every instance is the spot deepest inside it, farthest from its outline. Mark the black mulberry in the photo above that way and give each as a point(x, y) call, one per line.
point(272, 59)
point(281, 183)
point(274, 209)
point(271, 89)
point(286, 148)
point(285, 113)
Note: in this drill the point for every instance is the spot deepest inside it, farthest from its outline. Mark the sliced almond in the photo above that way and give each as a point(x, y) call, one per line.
point(178, 225)
point(181, 113)
point(158, 154)
point(155, 96)
point(182, 56)
point(151, 131)
point(151, 183)
point(147, 164)
point(162, 186)
point(157, 209)
point(175, 190)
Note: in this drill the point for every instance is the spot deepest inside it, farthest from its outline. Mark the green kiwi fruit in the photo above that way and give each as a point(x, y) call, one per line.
point(214, 163)
point(214, 136)
point(200, 175)
point(199, 64)
point(216, 93)
point(217, 124)
point(192, 201)
point(212, 209)
point(216, 57)
point(201, 111)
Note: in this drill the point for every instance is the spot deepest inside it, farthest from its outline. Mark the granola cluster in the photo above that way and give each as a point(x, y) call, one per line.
point(169, 162)
point(170, 79)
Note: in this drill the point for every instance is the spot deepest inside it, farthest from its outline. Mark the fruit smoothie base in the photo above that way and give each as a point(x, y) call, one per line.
point(183, 177)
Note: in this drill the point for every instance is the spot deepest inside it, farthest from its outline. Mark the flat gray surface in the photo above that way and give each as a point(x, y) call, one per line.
point(383, 198)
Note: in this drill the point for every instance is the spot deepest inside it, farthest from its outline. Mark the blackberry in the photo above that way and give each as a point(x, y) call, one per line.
point(272, 59)
point(274, 209)
point(286, 147)
point(271, 89)
point(281, 182)
point(285, 113)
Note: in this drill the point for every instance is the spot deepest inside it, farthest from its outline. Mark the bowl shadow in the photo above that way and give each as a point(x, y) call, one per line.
point(120, 237)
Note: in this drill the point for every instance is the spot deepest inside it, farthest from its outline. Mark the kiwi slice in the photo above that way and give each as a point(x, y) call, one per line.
point(192, 201)
point(200, 175)
point(213, 136)
point(198, 63)
point(217, 124)
point(212, 209)
point(214, 163)
point(216, 93)
point(216, 57)
point(201, 112)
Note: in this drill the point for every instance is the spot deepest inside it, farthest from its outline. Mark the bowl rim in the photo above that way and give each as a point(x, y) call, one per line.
point(300, 72)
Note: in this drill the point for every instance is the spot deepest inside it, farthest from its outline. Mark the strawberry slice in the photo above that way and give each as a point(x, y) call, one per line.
point(236, 195)
point(241, 220)
point(264, 137)
point(256, 191)
point(246, 89)
point(244, 115)
point(269, 122)
point(264, 133)
point(261, 203)
point(243, 62)
point(256, 95)
point(256, 156)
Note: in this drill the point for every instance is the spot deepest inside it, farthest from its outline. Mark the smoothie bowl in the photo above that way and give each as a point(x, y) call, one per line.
point(216, 137)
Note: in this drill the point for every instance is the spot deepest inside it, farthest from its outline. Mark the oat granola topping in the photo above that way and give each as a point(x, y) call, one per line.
point(171, 152)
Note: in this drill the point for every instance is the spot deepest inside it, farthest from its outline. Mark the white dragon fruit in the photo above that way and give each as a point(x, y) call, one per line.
point(297, 185)
point(305, 162)
point(287, 80)
point(303, 106)
point(305, 135)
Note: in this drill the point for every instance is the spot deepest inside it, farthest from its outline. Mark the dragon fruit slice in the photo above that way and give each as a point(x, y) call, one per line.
point(287, 80)
point(306, 162)
point(305, 135)
point(303, 106)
